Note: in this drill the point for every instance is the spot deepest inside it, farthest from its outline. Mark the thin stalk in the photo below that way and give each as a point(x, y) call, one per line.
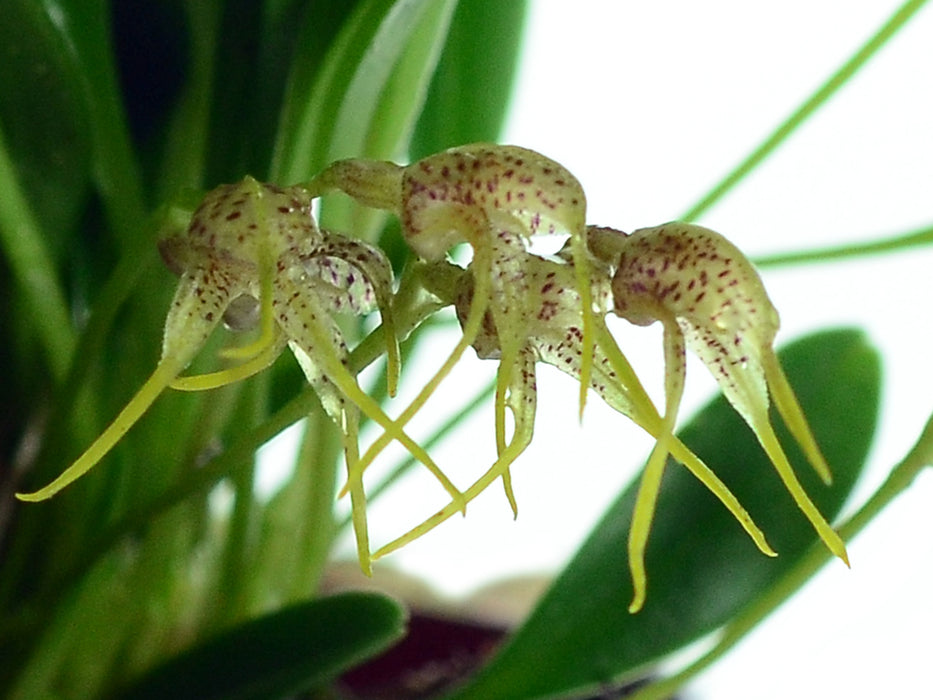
point(807, 109)
point(888, 244)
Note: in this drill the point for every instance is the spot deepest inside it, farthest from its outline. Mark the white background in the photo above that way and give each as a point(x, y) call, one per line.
point(649, 104)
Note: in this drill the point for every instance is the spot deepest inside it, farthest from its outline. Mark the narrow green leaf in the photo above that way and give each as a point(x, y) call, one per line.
point(83, 36)
point(23, 246)
point(44, 119)
point(917, 238)
point(472, 85)
point(702, 567)
point(336, 115)
point(402, 97)
point(184, 153)
point(393, 116)
point(283, 653)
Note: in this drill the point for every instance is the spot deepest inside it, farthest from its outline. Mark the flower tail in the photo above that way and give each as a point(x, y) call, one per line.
point(790, 410)
point(470, 330)
point(769, 442)
point(582, 273)
point(160, 378)
point(214, 380)
point(708, 478)
point(646, 500)
point(350, 431)
point(519, 442)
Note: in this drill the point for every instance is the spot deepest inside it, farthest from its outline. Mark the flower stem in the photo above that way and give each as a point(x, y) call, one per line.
point(807, 109)
point(888, 244)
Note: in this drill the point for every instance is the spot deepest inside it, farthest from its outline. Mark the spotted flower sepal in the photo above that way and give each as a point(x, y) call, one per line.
point(709, 297)
point(197, 308)
point(489, 197)
point(549, 330)
point(253, 255)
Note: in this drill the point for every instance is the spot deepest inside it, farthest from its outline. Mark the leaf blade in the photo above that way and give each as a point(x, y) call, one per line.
point(333, 116)
point(285, 652)
point(472, 86)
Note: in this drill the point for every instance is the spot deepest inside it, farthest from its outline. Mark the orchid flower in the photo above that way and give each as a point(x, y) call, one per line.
point(708, 297)
point(494, 198)
point(253, 257)
point(546, 324)
point(253, 254)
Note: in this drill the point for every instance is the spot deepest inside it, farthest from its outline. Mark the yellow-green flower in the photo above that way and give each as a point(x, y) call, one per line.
point(709, 297)
point(546, 324)
point(493, 198)
point(253, 254)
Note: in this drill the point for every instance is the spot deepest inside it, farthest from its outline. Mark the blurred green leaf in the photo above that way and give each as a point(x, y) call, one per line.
point(186, 129)
point(256, 45)
point(37, 283)
point(393, 115)
point(46, 166)
point(43, 117)
point(336, 115)
point(702, 567)
point(472, 85)
point(286, 652)
point(402, 97)
point(82, 32)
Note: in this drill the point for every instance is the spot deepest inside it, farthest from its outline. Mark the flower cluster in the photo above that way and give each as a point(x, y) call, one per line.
point(254, 257)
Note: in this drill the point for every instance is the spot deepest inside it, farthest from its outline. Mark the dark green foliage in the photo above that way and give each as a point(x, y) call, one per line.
point(280, 654)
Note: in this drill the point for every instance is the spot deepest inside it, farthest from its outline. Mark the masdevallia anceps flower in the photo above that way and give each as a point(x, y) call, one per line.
point(709, 297)
point(253, 255)
point(493, 198)
point(549, 330)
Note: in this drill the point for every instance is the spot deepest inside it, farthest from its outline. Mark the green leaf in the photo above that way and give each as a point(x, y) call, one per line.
point(472, 86)
point(702, 567)
point(44, 118)
point(282, 653)
point(364, 100)
point(26, 253)
point(184, 150)
point(82, 30)
point(346, 106)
